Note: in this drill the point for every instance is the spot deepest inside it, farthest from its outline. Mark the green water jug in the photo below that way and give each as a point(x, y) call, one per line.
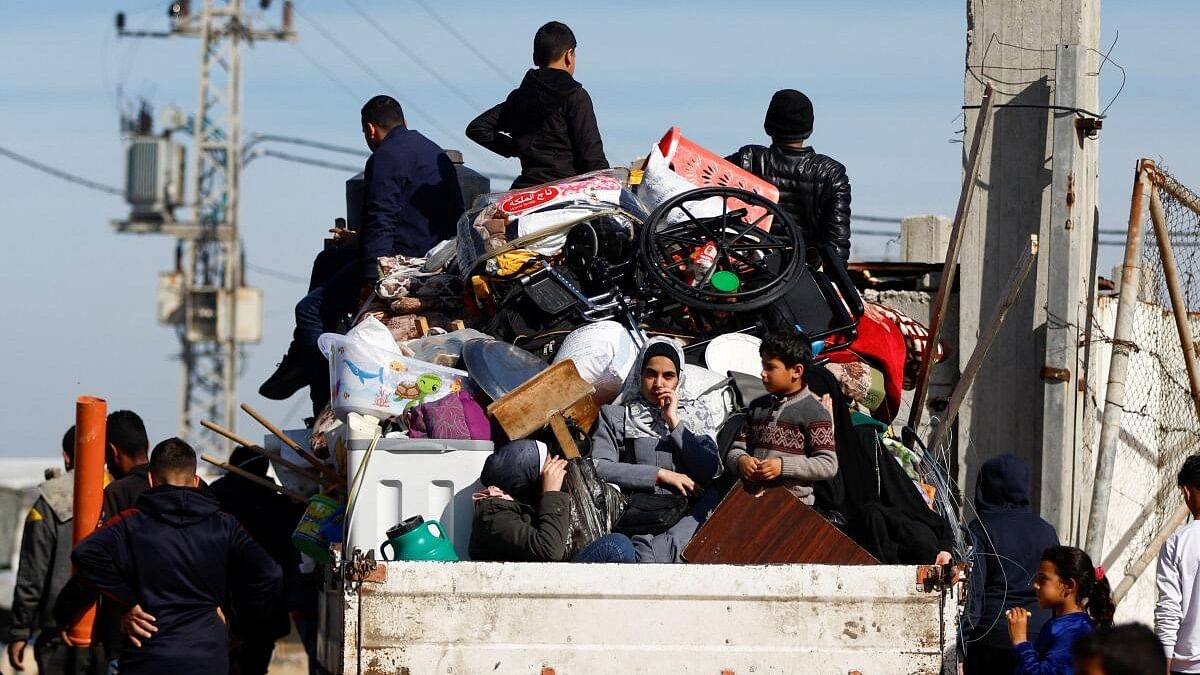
point(415, 539)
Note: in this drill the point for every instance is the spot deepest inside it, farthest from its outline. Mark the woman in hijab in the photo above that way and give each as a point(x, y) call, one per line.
point(660, 440)
point(523, 514)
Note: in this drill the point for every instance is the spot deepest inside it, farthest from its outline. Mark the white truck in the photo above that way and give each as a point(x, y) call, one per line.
point(462, 618)
point(421, 618)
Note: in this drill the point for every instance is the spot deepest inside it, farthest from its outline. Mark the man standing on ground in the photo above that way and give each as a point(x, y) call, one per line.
point(813, 188)
point(413, 202)
point(548, 122)
point(125, 453)
point(269, 519)
point(169, 564)
point(1177, 614)
point(44, 569)
point(126, 448)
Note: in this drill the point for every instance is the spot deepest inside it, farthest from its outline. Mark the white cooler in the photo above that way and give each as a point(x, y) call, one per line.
point(407, 477)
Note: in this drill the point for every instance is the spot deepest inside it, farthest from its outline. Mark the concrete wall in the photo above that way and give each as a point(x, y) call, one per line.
point(1012, 44)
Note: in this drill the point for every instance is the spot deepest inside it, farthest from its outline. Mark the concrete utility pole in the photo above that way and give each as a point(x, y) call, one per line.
point(1038, 176)
point(215, 311)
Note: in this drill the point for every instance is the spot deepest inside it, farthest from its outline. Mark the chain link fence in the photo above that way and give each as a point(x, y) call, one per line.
point(1159, 427)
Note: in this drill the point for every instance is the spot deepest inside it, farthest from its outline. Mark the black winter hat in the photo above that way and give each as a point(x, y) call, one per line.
point(789, 117)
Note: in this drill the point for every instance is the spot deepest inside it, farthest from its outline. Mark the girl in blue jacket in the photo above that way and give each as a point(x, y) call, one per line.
point(1080, 598)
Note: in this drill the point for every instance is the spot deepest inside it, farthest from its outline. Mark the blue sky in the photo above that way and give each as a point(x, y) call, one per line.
point(885, 77)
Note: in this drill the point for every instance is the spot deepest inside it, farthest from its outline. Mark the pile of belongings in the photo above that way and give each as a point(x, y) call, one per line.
point(403, 361)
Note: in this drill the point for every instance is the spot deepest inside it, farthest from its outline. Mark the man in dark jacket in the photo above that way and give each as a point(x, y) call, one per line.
point(813, 188)
point(413, 202)
point(168, 563)
point(269, 519)
point(548, 121)
point(126, 448)
point(44, 569)
point(1008, 539)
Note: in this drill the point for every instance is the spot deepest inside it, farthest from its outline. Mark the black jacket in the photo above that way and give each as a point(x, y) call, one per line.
point(45, 564)
point(547, 122)
point(269, 518)
point(123, 492)
point(511, 531)
point(176, 554)
point(1008, 539)
point(413, 199)
point(813, 189)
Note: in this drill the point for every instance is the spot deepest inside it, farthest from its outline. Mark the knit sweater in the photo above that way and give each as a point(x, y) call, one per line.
point(795, 428)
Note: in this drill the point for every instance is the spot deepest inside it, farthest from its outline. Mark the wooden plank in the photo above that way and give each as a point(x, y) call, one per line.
point(1015, 283)
point(757, 525)
point(558, 390)
point(946, 282)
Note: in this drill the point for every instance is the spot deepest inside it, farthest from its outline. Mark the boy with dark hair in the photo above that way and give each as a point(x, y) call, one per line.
point(1177, 613)
point(125, 452)
point(1129, 649)
point(788, 435)
point(168, 564)
point(548, 122)
point(813, 188)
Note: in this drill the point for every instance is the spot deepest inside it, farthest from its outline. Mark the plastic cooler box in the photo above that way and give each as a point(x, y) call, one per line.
point(413, 476)
point(703, 168)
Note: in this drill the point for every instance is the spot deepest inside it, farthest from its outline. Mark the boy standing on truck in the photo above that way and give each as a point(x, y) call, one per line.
point(813, 188)
point(548, 121)
point(788, 435)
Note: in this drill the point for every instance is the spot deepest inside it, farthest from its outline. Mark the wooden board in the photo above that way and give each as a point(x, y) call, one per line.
point(556, 390)
point(756, 525)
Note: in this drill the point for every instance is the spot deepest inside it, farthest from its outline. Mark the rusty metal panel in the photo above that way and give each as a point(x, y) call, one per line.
point(471, 617)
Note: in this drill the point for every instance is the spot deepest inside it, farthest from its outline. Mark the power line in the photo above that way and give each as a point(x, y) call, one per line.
point(464, 96)
point(462, 40)
point(276, 274)
point(446, 134)
point(326, 72)
point(263, 152)
point(877, 219)
point(294, 140)
point(58, 173)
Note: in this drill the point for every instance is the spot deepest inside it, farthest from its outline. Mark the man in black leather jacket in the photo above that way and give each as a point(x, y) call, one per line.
point(813, 188)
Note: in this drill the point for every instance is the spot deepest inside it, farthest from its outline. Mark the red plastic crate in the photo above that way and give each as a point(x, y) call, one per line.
point(704, 168)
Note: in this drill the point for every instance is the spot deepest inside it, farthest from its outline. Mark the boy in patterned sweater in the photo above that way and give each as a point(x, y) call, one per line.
point(788, 435)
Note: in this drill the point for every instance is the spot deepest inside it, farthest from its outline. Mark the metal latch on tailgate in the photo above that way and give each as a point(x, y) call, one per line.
point(932, 578)
point(362, 568)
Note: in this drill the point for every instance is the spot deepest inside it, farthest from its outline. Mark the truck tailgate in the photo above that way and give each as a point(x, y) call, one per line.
point(501, 618)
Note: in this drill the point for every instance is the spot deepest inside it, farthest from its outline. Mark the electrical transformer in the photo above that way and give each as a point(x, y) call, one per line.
point(153, 177)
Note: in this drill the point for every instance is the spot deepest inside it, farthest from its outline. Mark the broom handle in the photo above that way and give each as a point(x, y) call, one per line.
point(294, 496)
point(321, 466)
point(303, 471)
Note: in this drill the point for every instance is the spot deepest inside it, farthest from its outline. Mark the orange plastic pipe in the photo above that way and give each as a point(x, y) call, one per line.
point(91, 415)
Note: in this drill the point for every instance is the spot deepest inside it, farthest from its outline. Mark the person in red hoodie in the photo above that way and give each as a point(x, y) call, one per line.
point(168, 563)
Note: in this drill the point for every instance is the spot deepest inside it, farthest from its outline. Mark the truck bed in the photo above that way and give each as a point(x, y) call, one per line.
point(421, 618)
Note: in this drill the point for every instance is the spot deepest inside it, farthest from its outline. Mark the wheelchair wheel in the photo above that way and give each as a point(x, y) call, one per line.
point(721, 249)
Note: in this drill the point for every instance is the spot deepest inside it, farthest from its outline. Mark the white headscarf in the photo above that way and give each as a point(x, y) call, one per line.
point(643, 418)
